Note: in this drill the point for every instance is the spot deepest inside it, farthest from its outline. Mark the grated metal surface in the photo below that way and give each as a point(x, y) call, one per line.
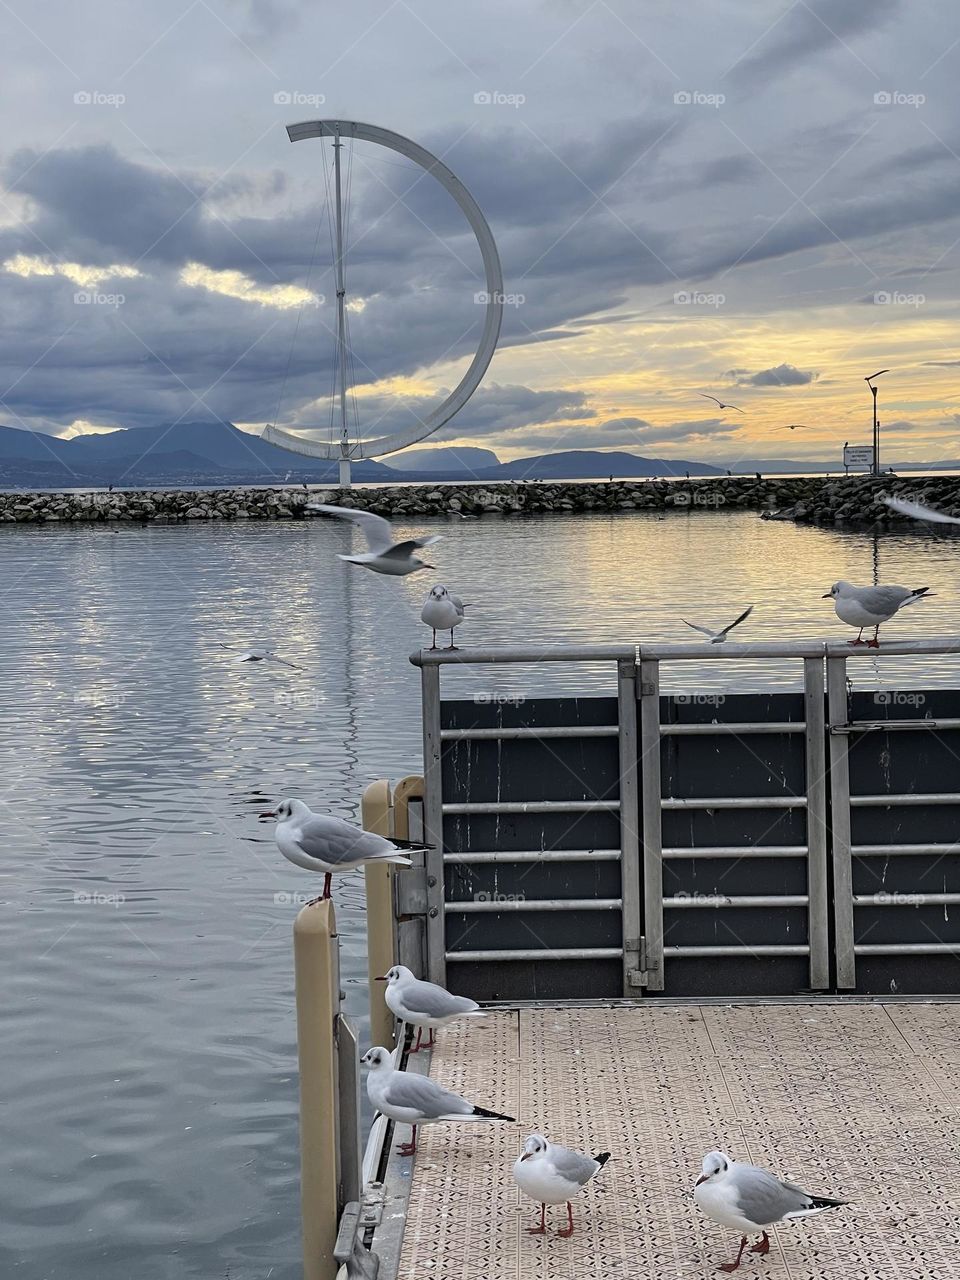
point(853, 1100)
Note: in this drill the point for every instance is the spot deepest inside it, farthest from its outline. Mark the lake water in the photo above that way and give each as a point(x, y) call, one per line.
point(147, 1021)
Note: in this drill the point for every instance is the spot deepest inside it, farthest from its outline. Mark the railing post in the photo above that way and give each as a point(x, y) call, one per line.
point(818, 933)
point(433, 823)
point(411, 900)
point(629, 823)
point(317, 972)
point(840, 823)
point(381, 925)
point(652, 823)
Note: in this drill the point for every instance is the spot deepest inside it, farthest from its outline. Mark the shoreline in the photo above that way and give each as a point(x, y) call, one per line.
point(855, 501)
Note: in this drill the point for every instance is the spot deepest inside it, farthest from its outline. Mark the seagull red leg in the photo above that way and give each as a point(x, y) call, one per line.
point(859, 639)
point(326, 891)
point(568, 1230)
point(735, 1266)
point(416, 1047)
point(431, 1042)
point(542, 1229)
point(434, 645)
point(763, 1246)
point(409, 1148)
point(875, 642)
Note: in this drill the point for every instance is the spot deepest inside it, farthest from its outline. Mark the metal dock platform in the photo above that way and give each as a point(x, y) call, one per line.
point(849, 1097)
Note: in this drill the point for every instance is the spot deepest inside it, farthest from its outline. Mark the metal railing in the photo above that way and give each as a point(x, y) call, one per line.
point(825, 799)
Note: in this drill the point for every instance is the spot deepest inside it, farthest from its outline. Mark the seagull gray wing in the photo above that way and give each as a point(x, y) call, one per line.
point(376, 530)
point(572, 1165)
point(434, 1001)
point(703, 630)
point(736, 622)
point(423, 1095)
point(338, 843)
point(918, 511)
point(459, 605)
point(764, 1199)
point(883, 600)
point(406, 548)
point(283, 662)
point(706, 397)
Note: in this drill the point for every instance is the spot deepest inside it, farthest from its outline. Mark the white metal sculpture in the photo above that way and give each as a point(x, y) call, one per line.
point(344, 449)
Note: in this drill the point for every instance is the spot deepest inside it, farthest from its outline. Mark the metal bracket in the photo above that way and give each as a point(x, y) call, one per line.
point(356, 1260)
point(637, 977)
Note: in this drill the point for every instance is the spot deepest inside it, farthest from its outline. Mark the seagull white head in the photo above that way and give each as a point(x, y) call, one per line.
point(838, 589)
point(715, 1165)
point(439, 593)
point(399, 973)
point(377, 1059)
point(286, 810)
point(535, 1145)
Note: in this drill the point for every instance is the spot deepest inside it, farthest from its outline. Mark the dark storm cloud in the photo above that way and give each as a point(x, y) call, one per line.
point(783, 375)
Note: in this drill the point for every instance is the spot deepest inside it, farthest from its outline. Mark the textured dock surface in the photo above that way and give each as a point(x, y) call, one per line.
point(858, 1101)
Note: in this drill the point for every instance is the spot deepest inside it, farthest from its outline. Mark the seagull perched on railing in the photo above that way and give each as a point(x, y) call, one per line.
point(442, 612)
point(870, 606)
point(320, 842)
point(554, 1175)
point(424, 1004)
point(718, 637)
point(417, 1100)
point(750, 1199)
point(385, 555)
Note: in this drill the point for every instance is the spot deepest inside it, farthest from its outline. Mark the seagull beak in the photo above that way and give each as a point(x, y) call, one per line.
point(525, 1156)
point(383, 979)
point(428, 566)
point(269, 814)
point(828, 596)
point(703, 1178)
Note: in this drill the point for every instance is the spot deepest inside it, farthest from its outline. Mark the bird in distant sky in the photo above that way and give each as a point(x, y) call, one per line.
point(720, 402)
point(794, 426)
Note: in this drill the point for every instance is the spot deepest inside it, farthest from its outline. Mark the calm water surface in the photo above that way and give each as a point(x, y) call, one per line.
point(147, 1021)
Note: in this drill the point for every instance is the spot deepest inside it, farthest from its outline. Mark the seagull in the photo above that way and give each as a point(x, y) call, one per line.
point(917, 511)
point(384, 556)
point(442, 612)
point(869, 606)
point(320, 842)
point(719, 402)
point(794, 426)
point(718, 637)
point(424, 1004)
point(417, 1100)
point(260, 655)
point(552, 1175)
point(750, 1199)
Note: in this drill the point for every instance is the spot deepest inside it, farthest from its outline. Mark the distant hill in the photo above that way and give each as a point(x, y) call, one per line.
point(453, 462)
point(589, 464)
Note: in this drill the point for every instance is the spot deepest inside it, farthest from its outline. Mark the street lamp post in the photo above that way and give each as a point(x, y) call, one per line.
point(876, 424)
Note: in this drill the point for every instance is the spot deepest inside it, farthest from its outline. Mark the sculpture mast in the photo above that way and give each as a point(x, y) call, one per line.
point(341, 322)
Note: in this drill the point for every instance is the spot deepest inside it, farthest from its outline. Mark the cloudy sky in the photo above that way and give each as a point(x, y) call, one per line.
point(756, 200)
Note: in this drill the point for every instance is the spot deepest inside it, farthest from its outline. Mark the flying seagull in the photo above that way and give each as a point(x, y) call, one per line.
point(794, 426)
point(442, 612)
point(870, 606)
point(424, 1004)
point(554, 1175)
point(320, 842)
point(750, 1199)
point(260, 655)
point(718, 637)
point(719, 402)
point(917, 511)
point(385, 556)
point(417, 1100)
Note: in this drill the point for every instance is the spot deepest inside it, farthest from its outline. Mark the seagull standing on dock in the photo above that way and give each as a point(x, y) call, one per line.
point(870, 606)
point(554, 1175)
point(424, 1004)
point(417, 1100)
point(750, 1199)
point(385, 555)
point(718, 637)
point(320, 842)
point(442, 612)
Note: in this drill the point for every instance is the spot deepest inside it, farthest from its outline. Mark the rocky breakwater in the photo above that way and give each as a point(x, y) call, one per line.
point(154, 506)
point(860, 501)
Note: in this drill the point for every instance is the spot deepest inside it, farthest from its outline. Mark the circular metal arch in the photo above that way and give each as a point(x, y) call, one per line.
point(493, 313)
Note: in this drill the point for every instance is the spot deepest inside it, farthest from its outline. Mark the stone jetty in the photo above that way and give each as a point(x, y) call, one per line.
point(854, 501)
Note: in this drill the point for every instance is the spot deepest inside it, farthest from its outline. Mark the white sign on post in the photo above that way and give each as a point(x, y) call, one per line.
point(858, 455)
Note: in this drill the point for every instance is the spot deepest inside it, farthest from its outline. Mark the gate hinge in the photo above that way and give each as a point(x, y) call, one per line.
point(412, 892)
point(637, 946)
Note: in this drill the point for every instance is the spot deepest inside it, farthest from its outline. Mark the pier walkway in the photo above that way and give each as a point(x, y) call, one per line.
point(856, 1099)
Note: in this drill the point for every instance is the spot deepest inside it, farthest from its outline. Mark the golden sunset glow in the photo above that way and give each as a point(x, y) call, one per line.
point(234, 284)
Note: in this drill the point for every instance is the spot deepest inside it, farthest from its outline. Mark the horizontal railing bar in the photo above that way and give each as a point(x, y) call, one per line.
point(535, 806)
point(907, 948)
point(737, 851)
point(721, 900)
point(908, 850)
point(913, 899)
point(735, 802)
point(914, 798)
point(535, 855)
point(525, 731)
point(687, 952)
point(536, 904)
point(873, 726)
point(731, 727)
point(572, 953)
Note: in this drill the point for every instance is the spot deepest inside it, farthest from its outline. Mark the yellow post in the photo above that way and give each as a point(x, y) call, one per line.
point(381, 930)
point(318, 1003)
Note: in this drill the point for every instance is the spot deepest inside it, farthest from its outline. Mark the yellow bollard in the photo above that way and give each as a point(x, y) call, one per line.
point(317, 972)
point(381, 930)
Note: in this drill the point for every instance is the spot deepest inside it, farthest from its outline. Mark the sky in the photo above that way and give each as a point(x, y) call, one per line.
point(756, 201)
